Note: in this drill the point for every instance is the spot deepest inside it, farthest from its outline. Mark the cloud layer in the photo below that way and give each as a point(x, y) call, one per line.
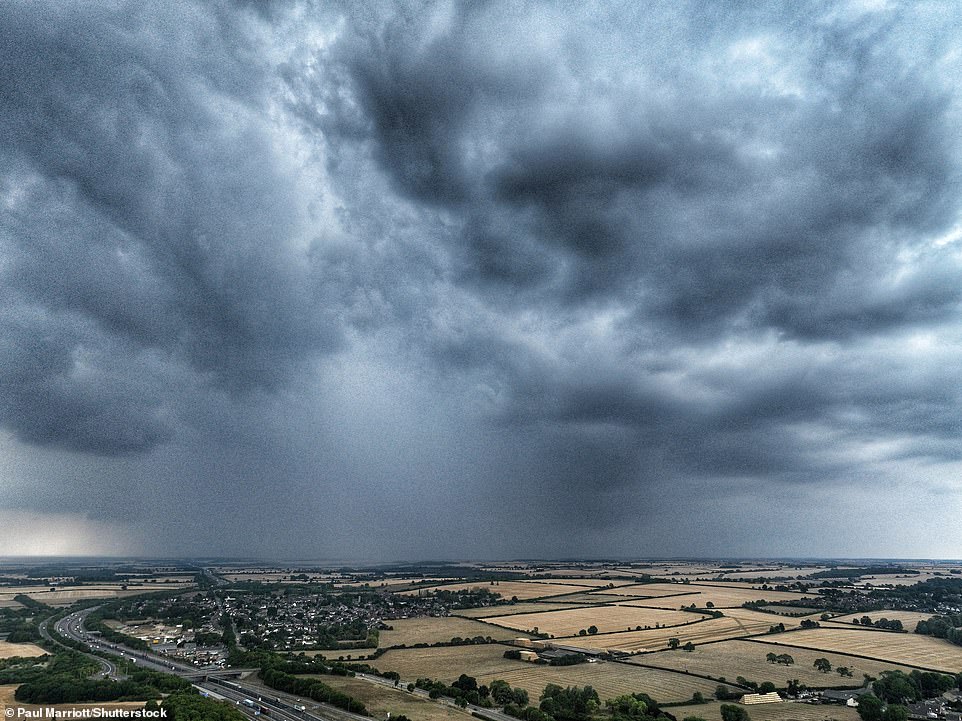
point(526, 269)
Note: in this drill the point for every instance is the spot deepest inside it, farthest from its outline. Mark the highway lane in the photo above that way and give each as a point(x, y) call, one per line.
point(109, 670)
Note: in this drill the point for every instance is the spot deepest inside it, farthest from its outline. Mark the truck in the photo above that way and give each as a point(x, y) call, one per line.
point(247, 702)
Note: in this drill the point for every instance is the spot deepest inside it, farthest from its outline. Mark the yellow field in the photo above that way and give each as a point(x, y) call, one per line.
point(513, 608)
point(487, 663)
point(605, 596)
point(713, 629)
point(447, 663)
point(65, 595)
point(523, 590)
point(731, 659)
point(608, 679)
point(7, 701)
point(606, 618)
point(723, 596)
point(905, 648)
point(27, 650)
point(381, 700)
point(773, 712)
point(908, 618)
point(410, 631)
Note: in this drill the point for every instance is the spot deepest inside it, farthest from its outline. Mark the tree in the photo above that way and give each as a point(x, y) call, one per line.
point(843, 671)
point(771, 657)
point(795, 687)
point(731, 712)
point(688, 647)
point(673, 643)
point(895, 712)
point(870, 707)
point(766, 687)
point(592, 630)
point(823, 665)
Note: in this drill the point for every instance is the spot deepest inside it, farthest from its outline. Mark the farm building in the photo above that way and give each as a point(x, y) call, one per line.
point(529, 656)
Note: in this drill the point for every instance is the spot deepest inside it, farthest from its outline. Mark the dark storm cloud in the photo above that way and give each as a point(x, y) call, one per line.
point(583, 261)
point(148, 205)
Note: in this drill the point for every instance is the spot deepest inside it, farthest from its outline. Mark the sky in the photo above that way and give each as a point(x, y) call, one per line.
point(480, 280)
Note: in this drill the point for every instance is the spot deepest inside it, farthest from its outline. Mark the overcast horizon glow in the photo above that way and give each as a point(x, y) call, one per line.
point(402, 280)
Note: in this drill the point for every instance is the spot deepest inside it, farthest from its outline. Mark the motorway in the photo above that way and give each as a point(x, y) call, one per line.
point(250, 698)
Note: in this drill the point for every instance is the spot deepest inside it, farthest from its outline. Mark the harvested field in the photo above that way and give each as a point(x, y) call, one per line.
point(787, 711)
point(712, 629)
point(902, 648)
point(908, 618)
point(606, 618)
point(65, 595)
point(794, 609)
point(731, 659)
point(9, 603)
point(723, 596)
point(381, 700)
point(523, 590)
point(608, 679)
point(602, 597)
point(509, 609)
point(752, 617)
point(27, 650)
point(410, 631)
point(447, 663)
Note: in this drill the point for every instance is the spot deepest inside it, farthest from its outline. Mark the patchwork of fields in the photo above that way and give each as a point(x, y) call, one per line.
point(514, 608)
point(725, 596)
point(522, 590)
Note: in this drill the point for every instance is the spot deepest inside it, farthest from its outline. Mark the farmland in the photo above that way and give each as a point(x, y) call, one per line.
point(608, 679)
point(701, 594)
point(487, 663)
point(27, 650)
point(514, 608)
point(730, 659)
point(522, 590)
point(908, 618)
point(711, 629)
point(432, 629)
point(605, 618)
point(449, 662)
point(901, 648)
point(381, 700)
point(773, 712)
point(65, 595)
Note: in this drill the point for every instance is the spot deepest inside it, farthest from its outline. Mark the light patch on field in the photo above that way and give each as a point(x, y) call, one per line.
point(605, 618)
point(428, 629)
point(65, 595)
point(773, 712)
point(730, 659)
point(32, 533)
point(27, 650)
point(904, 648)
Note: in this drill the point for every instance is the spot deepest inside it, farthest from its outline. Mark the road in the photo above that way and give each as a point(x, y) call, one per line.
point(249, 697)
point(109, 669)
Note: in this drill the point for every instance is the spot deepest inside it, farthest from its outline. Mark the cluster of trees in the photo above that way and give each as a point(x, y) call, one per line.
point(825, 666)
point(872, 708)
point(893, 625)
point(455, 641)
point(633, 707)
point(191, 706)
point(948, 627)
point(504, 695)
point(311, 688)
point(464, 691)
point(590, 631)
point(573, 703)
point(899, 687)
point(781, 658)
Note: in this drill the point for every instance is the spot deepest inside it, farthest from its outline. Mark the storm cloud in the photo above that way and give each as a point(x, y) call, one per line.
point(540, 278)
